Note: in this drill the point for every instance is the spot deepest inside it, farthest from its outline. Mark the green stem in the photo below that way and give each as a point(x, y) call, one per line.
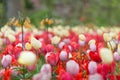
point(22, 38)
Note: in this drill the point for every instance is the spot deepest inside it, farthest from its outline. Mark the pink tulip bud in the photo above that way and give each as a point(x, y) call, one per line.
point(92, 67)
point(81, 43)
point(61, 44)
point(116, 56)
point(63, 55)
point(46, 68)
point(92, 47)
point(45, 73)
point(72, 67)
point(6, 61)
point(95, 76)
point(14, 71)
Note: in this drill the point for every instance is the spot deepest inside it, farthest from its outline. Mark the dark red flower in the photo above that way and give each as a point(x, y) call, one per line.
point(94, 56)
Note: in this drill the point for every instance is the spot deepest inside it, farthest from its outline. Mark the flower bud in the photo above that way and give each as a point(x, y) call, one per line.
point(27, 58)
point(82, 37)
point(46, 68)
point(28, 46)
point(6, 61)
point(92, 41)
point(63, 55)
point(61, 44)
point(111, 45)
point(52, 58)
point(72, 67)
point(81, 43)
point(118, 49)
point(35, 43)
point(11, 38)
point(92, 67)
point(45, 73)
point(95, 77)
point(65, 75)
point(92, 47)
point(55, 40)
point(14, 71)
point(116, 56)
point(113, 35)
point(106, 55)
point(107, 37)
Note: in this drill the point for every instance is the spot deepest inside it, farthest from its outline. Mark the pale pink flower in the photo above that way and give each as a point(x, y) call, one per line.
point(95, 76)
point(72, 67)
point(63, 55)
point(6, 60)
point(92, 67)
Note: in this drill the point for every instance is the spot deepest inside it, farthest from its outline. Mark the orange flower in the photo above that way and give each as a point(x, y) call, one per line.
point(46, 22)
point(11, 21)
point(16, 22)
point(27, 23)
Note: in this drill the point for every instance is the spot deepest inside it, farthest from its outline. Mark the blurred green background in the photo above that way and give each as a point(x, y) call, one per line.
point(98, 12)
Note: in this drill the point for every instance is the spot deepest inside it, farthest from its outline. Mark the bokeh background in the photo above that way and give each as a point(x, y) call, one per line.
point(72, 12)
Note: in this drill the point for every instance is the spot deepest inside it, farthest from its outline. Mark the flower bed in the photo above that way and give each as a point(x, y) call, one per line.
point(60, 53)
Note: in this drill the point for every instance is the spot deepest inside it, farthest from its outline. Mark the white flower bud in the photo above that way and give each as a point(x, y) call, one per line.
point(11, 38)
point(106, 55)
point(92, 41)
point(55, 40)
point(35, 43)
point(107, 37)
point(28, 46)
point(82, 37)
point(111, 45)
point(27, 58)
point(118, 49)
